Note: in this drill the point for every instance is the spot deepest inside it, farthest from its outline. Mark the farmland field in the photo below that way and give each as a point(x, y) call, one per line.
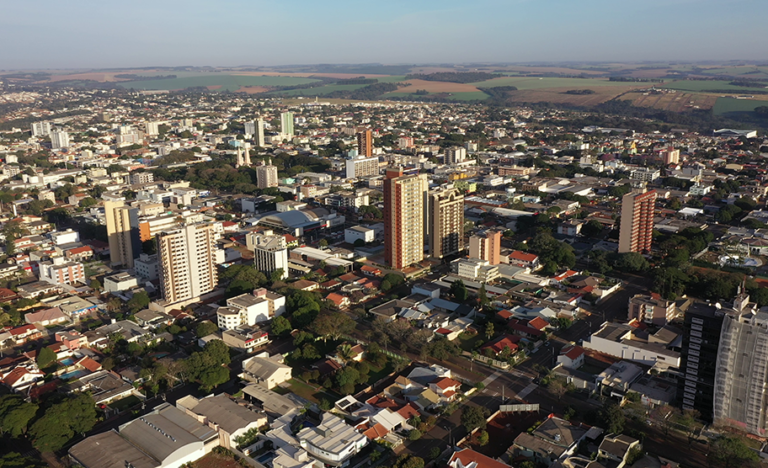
point(693, 85)
point(523, 83)
point(459, 96)
point(724, 105)
point(319, 91)
point(227, 82)
point(676, 102)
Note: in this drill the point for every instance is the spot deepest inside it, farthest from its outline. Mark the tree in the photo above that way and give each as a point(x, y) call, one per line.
point(333, 325)
point(612, 418)
point(482, 297)
point(556, 388)
point(206, 328)
point(459, 291)
point(434, 452)
point(138, 302)
point(16, 460)
point(95, 284)
point(281, 326)
point(482, 438)
point(591, 228)
point(732, 452)
point(218, 351)
point(276, 275)
point(631, 262)
point(46, 358)
point(489, 330)
point(414, 434)
point(213, 377)
point(15, 415)
point(62, 421)
point(473, 417)
point(323, 242)
point(345, 353)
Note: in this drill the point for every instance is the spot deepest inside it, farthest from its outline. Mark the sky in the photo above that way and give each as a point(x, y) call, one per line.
point(46, 34)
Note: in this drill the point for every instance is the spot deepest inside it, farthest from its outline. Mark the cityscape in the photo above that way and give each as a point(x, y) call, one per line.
point(230, 244)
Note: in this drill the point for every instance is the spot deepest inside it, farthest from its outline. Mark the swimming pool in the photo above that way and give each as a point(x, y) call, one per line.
point(73, 374)
point(67, 362)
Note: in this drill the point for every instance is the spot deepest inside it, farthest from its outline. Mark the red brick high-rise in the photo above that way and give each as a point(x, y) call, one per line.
point(636, 231)
point(404, 206)
point(365, 143)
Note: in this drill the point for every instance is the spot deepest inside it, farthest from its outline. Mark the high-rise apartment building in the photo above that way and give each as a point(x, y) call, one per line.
point(404, 213)
point(250, 128)
point(141, 177)
point(446, 222)
point(122, 232)
point(266, 175)
point(41, 129)
point(365, 143)
point(455, 155)
point(741, 375)
point(671, 155)
point(186, 262)
point(59, 139)
point(152, 128)
point(698, 358)
point(486, 246)
point(286, 124)
point(361, 166)
point(270, 252)
point(259, 137)
point(635, 233)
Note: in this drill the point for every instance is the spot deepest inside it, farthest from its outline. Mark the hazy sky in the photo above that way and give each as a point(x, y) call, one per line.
point(85, 33)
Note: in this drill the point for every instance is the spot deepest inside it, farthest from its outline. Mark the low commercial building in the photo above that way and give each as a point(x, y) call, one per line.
point(355, 233)
point(221, 413)
point(652, 309)
point(626, 342)
point(120, 282)
point(333, 441)
point(245, 340)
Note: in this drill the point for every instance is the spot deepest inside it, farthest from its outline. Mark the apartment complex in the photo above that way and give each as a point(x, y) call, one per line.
point(404, 203)
point(698, 358)
point(270, 252)
point(59, 139)
point(266, 175)
point(41, 129)
point(446, 222)
point(741, 375)
point(362, 166)
point(286, 124)
point(141, 178)
point(486, 246)
point(365, 143)
point(151, 128)
point(635, 233)
point(122, 232)
point(62, 272)
point(186, 262)
point(652, 309)
point(455, 155)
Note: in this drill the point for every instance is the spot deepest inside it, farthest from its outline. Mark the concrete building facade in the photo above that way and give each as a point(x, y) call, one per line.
point(635, 233)
point(186, 262)
point(404, 213)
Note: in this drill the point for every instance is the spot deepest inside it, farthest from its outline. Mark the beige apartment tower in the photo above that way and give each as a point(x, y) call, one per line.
point(446, 222)
point(186, 262)
point(122, 233)
point(365, 143)
point(486, 246)
point(636, 230)
point(404, 217)
point(266, 175)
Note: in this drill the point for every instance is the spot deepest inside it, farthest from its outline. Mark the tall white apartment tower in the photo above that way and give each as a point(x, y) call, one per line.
point(270, 252)
point(59, 139)
point(152, 128)
point(286, 124)
point(455, 155)
point(41, 129)
point(250, 128)
point(186, 262)
point(266, 175)
point(260, 133)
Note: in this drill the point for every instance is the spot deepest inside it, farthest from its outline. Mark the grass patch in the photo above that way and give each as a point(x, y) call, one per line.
point(125, 403)
point(688, 85)
point(725, 105)
point(378, 373)
point(319, 91)
point(309, 392)
point(468, 342)
point(523, 83)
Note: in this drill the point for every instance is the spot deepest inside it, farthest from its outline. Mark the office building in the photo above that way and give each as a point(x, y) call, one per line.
point(59, 139)
point(741, 375)
point(635, 233)
point(41, 129)
point(286, 124)
point(122, 233)
point(266, 175)
point(152, 128)
point(486, 246)
point(404, 217)
point(455, 155)
point(186, 262)
point(698, 358)
point(446, 222)
point(361, 166)
point(365, 143)
point(270, 252)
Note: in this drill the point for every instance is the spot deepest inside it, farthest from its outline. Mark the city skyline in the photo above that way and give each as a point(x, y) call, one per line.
point(394, 33)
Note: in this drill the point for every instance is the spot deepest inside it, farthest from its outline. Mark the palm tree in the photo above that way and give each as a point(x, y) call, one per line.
point(345, 353)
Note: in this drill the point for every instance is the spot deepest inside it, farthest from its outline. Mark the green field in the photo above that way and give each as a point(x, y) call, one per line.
point(735, 70)
point(227, 82)
point(723, 105)
point(523, 83)
point(694, 85)
point(319, 91)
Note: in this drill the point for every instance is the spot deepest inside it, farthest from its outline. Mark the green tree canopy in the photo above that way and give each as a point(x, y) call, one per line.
point(205, 328)
point(473, 417)
point(46, 358)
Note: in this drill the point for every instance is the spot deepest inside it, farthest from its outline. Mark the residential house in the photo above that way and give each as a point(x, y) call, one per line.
point(446, 388)
point(46, 317)
point(332, 442)
point(245, 339)
point(616, 448)
point(265, 370)
point(468, 458)
point(22, 378)
point(341, 302)
point(104, 386)
point(554, 439)
point(498, 345)
point(571, 356)
point(524, 259)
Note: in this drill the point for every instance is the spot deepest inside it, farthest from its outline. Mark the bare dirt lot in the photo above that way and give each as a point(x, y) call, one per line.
point(675, 102)
point(253, 89)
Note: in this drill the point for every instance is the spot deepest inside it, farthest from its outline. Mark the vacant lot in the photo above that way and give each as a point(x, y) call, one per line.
point(676, 102)
point(253, 89)
point(215, 460)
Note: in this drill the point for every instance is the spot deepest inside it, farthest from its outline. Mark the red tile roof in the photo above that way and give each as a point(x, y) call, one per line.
point(89, 364)
point(502, 342)
point(505, 314)
point(382, 402)
point(79, 250)
point(469, 456)
point(526, 257)
point(538, 323)
point(445, 382)
point(572, 352)
point(337, 299)
point(408, 411)
point(376, 432)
